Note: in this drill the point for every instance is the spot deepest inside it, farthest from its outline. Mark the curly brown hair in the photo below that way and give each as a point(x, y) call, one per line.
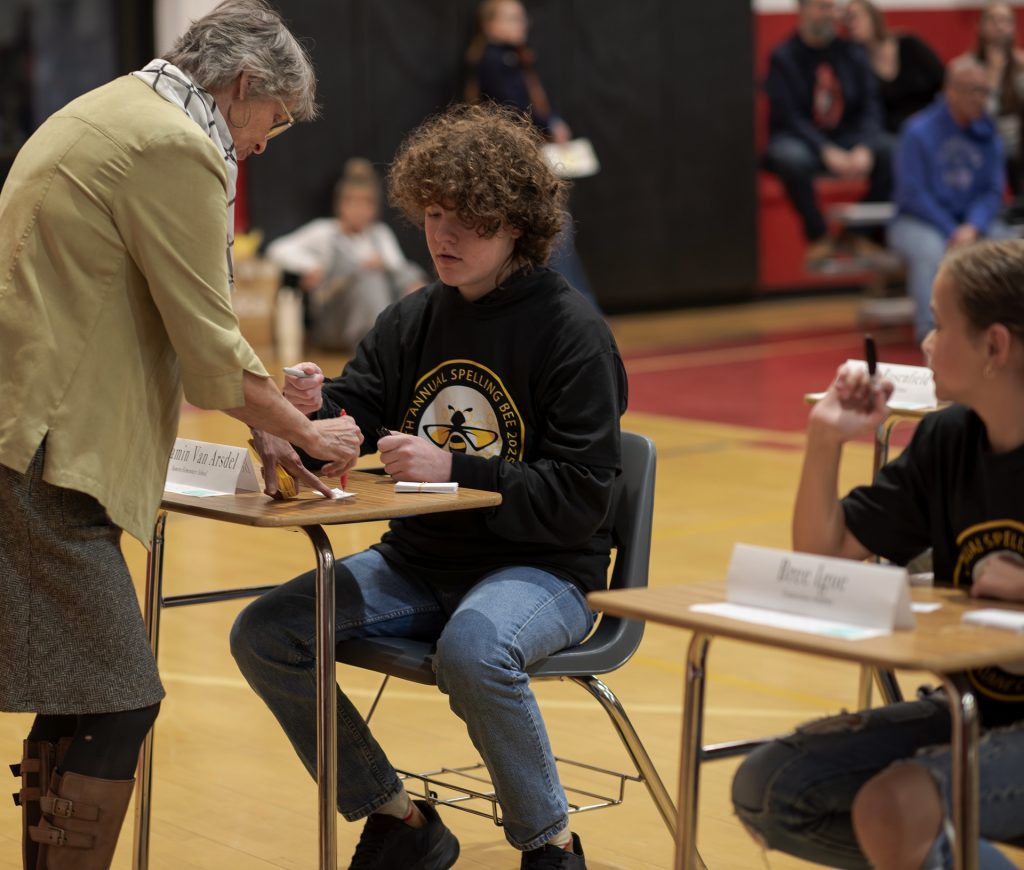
point(484, 163)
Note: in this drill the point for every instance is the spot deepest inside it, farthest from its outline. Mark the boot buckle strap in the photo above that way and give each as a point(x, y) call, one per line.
point(58, 806)
point(28, 765)
point(49, 835)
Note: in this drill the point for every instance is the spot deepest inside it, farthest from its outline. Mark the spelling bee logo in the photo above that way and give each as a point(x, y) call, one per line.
point(980, 541)
point(463, 407)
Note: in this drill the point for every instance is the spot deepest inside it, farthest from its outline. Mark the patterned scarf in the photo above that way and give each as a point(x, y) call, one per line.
point(176, 87)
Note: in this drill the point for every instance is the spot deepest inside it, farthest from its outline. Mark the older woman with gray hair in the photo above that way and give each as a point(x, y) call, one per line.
point(114, 300)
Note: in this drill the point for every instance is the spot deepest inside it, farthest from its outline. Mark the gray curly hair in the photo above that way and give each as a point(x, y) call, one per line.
point(248, 36)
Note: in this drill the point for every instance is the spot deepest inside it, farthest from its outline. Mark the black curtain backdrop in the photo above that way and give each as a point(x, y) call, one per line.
point(662, 88)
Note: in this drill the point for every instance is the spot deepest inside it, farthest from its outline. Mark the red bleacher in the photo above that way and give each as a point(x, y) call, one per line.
point(949, 31)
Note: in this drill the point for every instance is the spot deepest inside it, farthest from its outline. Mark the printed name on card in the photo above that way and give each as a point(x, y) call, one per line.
point(841, 590)
point(201, 469)
point(913, 386)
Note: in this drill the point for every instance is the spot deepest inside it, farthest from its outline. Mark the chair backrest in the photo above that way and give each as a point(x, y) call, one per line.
point(615, 640)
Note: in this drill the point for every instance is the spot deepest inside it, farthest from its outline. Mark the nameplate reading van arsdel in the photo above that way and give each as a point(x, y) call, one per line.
point(201, 469)
point(839, 590)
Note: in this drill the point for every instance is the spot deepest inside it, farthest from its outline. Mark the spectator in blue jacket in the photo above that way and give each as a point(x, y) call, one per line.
point(825, 117)
point(949, 178)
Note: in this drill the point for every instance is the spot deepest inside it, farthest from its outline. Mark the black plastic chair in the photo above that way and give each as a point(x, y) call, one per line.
point(608, 647)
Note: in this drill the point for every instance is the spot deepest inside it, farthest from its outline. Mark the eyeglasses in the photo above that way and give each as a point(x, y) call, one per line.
point(278, 128)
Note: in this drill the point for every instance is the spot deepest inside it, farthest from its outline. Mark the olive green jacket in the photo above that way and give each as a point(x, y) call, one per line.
point(114, 295)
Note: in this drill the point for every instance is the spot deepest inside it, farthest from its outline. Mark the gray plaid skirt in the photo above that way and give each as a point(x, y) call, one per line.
point(72, 639)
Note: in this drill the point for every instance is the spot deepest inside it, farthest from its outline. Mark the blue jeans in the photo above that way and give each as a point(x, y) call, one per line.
point(795, 793)
point(922, 246)
point(487, 635)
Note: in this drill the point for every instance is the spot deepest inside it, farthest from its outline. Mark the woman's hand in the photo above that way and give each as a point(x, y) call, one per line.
point(999, 575)
point(852, 406)
point(276, 451)
point(304, 393)
point(337, 442)
point(408, 457)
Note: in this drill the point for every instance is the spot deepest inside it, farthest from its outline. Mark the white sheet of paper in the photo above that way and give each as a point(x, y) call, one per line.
point(413, 486)
point(776, 619)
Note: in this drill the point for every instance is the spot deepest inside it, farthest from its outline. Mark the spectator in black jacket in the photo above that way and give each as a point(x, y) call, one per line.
point(908, 72)
point(825, 118)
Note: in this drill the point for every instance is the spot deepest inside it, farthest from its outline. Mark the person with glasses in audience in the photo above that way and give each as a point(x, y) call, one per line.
point(115, 273)
point(949, 180)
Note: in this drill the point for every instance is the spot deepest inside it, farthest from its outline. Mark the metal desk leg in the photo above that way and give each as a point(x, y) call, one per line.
point(326, 685)
point(883, 435)
point(689, 760)
point(151, 614)
point(964, 756)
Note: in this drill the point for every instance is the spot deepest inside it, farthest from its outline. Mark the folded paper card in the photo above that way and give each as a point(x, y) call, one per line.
point(842, 592)
point(413, 486)
point(573, 159)
point(913, 386)
point(201, 469)
point(994, 617)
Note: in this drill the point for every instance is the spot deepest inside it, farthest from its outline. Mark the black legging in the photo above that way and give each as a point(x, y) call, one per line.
point(105, 745)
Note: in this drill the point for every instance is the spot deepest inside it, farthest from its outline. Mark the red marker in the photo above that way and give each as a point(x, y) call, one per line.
point(344, 477)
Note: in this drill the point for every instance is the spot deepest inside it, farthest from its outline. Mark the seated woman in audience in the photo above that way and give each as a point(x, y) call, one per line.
point(873, 788)
point(351, 264)
point(997, 50)
point(909, 73)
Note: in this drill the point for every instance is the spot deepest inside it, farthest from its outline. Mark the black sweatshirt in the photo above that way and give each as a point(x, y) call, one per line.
point(525, 388)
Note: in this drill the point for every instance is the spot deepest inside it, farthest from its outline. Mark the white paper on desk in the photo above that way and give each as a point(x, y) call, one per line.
point(776, 619)
point(202, 469)
point(413, 486)
point(805, 584)
point(913, 386)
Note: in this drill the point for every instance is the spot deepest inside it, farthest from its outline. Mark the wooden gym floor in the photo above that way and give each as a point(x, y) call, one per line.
point(719, 390)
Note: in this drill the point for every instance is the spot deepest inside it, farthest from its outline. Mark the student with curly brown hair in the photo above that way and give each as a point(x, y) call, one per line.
point(501, 377)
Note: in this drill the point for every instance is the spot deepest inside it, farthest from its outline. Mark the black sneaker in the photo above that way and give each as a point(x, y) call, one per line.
point(388, 843)
point(549, 857)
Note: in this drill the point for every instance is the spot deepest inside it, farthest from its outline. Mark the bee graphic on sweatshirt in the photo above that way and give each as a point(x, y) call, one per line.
point(457, 436)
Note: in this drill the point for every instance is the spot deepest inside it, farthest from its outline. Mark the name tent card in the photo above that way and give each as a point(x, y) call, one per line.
point(913, 386)
point(201, 469)
point(801, 591)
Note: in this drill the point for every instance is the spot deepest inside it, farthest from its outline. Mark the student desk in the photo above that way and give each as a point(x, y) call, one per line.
point(375, 499)
point(940, 643)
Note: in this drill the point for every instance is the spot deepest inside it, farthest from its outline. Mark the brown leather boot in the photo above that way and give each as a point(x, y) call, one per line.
point(39, 760)
point(82, 818)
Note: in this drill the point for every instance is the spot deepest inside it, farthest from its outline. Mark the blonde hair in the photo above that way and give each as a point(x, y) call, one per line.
point(988, 278)
point(358, 173)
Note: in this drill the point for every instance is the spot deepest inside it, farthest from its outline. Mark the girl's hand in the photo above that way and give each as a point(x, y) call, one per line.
point(852, 406)
point(999, 575)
